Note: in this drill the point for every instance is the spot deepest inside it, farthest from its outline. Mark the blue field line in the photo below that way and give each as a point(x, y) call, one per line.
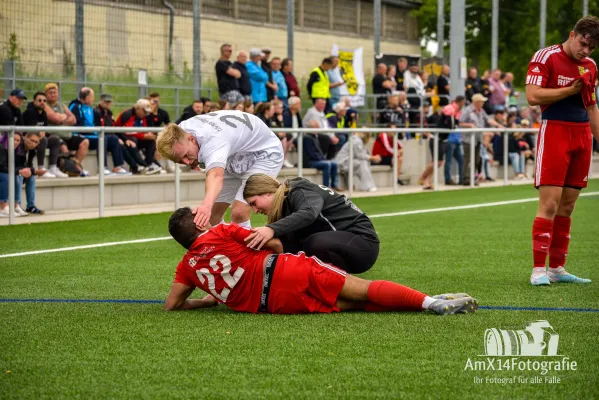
point(129, 301)
point(133, 301)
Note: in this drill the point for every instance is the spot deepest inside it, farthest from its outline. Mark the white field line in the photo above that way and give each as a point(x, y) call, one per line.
point(395, 214)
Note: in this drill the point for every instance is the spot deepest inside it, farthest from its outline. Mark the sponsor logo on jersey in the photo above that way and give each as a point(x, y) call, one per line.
point(582, 70)
point(564, 80)
point(536, 69)
point(594, 97)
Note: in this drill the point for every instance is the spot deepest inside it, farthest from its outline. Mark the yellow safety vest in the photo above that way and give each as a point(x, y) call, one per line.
point(322, 88)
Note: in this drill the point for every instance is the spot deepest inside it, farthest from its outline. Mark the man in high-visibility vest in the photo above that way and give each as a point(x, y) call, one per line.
point(319, 85)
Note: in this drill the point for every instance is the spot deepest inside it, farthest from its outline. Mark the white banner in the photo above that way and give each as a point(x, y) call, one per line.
point(351, 67)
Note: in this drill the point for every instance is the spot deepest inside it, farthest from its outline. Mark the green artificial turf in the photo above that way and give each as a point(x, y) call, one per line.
point(115, 350)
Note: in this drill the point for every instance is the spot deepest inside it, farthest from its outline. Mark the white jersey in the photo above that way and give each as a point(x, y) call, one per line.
point(236, 141)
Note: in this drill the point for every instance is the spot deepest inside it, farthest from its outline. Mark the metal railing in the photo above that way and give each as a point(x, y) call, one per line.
point(101, 131)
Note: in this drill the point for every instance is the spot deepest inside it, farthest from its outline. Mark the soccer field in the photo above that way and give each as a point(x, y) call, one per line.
point(131, 348)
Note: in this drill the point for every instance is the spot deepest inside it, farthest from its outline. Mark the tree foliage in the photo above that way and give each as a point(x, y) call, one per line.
point(519, 27)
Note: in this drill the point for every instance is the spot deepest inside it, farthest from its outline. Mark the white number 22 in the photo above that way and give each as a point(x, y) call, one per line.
point(220, 262)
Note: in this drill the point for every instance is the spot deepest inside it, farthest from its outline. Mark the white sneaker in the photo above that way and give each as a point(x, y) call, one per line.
point(58, 173)
point(287, 164)
point(47, 174)
point(372, 189)
point(122, 172)
point(84, 173)
point(539, 277)
point(20, 211)
point(152, 169)
point(4, 213)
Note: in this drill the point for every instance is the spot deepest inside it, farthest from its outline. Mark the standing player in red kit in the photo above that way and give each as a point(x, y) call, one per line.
point(219, 262)
point(561, 79)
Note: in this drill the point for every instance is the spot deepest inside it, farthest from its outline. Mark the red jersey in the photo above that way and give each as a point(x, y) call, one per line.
point(220, 263)
point(383, 146)
point(553, 68)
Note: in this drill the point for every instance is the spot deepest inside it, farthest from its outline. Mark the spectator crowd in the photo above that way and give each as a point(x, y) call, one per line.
point(266, 86)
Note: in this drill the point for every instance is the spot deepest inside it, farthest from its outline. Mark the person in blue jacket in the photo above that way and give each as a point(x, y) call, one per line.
point(258, 77)
point(83, 109)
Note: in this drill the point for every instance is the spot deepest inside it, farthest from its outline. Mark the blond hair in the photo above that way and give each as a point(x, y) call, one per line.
point(259, 184)
point(170, 135)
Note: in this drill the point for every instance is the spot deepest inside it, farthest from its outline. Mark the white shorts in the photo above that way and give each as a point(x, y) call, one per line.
point(234, 184)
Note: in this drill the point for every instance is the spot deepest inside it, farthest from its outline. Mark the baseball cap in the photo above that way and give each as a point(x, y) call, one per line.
point(50, 86)
point(145, 104)
point(479, 97)
point(256, 52)
point(18, 93)
point(106, 97)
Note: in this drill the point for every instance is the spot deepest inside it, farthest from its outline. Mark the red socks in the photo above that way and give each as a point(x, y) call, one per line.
point(541, 240)
point(390, 296)
point(560, 239)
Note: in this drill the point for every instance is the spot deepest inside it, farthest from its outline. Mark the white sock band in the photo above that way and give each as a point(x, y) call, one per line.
point(246, 224)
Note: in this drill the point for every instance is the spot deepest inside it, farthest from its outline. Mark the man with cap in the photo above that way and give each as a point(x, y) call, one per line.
point(474, 116)
point(10, 110)
point(258, 77)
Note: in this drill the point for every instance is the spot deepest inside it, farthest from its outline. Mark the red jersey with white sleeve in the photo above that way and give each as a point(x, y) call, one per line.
point(552, 68)
point(220, 263)
point(565, 141)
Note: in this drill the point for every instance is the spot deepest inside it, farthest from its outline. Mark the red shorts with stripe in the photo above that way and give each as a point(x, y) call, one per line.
point(302, 285)
point(563, 154)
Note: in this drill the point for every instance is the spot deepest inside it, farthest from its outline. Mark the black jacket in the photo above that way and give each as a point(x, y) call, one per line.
point(288, 121)
point(245, 86)
point(187, 113)
point(10, 115)
point(32, 117)
point(309, 208)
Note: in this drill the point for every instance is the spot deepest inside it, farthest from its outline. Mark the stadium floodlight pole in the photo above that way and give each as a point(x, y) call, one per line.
point(506, 137)
point(290, 27)
point(101, 172)
point(11, 173)
point(197, 74)
point(350, 177)
point(79, 44)
point(457, 50)
point(585, 8)
point(543, 25)
point(440, 29)
point(494, 33)
point(377, 27)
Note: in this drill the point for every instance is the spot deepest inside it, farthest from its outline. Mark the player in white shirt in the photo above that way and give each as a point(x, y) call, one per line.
point(232, 145)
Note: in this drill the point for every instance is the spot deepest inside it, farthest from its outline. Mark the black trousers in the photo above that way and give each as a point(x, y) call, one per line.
point(345, 250)
point(53, 143)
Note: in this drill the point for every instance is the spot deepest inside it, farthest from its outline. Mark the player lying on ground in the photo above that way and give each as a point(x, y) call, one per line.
point(232, 145)
point(561, 79)
point(313, 219)
point(257, 281)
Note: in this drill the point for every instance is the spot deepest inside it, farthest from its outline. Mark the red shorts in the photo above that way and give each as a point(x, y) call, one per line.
point(303, 285)
point(563, 154)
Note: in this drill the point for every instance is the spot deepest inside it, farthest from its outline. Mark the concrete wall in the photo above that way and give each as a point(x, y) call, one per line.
point(120, 39)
